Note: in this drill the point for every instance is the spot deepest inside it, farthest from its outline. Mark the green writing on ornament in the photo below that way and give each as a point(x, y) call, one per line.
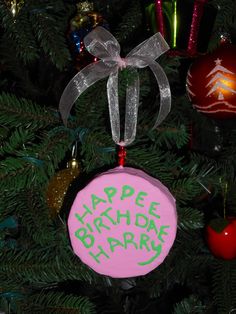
point(146, 219)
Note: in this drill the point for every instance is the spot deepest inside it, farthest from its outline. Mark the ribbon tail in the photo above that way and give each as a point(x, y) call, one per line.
point(165, 94)
point(113, 103)
point(131, 112)
point(79, 83)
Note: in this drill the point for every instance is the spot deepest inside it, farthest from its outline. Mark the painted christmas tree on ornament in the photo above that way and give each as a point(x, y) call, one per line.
point(220, 82)
point(123, 223)
point(211, 83)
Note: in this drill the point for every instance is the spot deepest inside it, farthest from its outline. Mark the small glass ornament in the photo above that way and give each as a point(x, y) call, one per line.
point(85, 20)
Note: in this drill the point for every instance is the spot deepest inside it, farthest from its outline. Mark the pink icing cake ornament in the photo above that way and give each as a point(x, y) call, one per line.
point(123, 223)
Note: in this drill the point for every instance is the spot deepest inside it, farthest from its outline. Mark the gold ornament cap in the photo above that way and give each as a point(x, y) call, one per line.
point(84, 7)
point(73, 164)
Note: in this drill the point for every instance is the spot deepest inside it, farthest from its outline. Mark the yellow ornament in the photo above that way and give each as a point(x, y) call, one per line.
point(14, 6)
point(59, 184)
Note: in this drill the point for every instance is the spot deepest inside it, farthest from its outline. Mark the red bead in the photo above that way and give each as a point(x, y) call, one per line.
point(211, 83)
point(223, 244)
point(121, 155)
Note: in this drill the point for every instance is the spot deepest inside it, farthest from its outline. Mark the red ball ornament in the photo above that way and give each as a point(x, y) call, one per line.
point(211, 83)
point(221, 238)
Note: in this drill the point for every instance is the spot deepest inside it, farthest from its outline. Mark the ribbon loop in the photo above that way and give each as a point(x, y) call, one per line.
point(103, 45)
point(151, 48)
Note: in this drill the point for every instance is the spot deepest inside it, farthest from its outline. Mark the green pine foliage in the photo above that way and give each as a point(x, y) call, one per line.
point(224, 285)
point(39, 273)
point(190, 305)
point(51, 303)
point(40, 26)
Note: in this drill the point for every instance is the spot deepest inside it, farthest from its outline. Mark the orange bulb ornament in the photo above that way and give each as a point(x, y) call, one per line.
point(59, 185)
point(211, 83)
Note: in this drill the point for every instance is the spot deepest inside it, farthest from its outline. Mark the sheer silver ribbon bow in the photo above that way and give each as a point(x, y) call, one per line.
point(103, 45)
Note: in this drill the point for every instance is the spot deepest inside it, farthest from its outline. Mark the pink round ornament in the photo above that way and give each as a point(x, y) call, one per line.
point(123, 223)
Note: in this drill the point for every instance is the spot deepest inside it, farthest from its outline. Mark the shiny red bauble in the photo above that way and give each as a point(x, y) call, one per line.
point(222, 243)
point(211, 83)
